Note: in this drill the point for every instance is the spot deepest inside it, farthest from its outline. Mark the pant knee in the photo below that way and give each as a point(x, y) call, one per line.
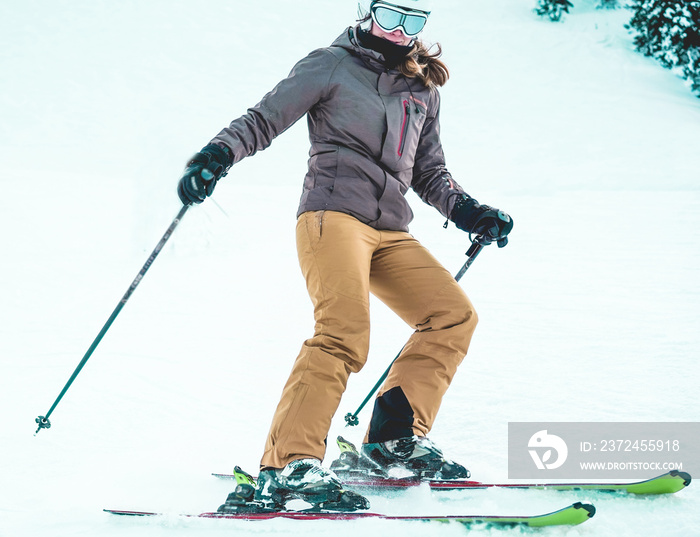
point(457, 312)
point(456, 319)
point(471, 318)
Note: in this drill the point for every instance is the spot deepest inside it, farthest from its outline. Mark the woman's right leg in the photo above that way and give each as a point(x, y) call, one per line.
point(335, 252)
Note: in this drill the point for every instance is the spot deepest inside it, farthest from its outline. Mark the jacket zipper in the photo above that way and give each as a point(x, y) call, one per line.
point(404, 127)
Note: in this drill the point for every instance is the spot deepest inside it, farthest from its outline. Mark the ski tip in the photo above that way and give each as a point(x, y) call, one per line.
point(589, 507)
point(129, 513)
point(685, 476)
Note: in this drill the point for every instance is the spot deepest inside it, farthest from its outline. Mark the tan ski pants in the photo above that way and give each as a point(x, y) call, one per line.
point(343, 261)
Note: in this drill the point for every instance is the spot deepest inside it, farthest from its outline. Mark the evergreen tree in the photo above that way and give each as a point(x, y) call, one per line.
point(689, 50)
point(553, 8)
point(608, 4)
point(669, 31)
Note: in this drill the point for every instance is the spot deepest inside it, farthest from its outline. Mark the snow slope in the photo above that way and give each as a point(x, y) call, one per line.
point(590, 313)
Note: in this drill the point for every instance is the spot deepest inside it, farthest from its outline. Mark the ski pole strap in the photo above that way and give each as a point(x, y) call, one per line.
point(477, 245)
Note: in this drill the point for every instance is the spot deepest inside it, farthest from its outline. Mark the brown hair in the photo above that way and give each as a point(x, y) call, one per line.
point(426, 65)
point(423, 64)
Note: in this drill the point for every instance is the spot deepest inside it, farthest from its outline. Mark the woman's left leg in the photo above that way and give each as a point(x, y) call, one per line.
point(406, 277)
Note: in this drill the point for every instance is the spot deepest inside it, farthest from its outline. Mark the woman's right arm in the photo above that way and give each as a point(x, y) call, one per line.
point(305, 86)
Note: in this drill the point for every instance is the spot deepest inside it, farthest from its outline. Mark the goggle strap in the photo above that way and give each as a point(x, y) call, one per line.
point(404, 11)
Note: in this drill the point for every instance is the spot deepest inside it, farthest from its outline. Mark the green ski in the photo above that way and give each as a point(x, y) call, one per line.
point(668, 483)
point(568, 516)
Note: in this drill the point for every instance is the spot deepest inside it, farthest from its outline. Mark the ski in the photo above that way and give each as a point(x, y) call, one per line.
point(668, 483)
point(360, 473)
point(572, 515)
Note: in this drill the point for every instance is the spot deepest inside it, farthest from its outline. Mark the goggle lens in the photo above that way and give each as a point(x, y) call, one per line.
point(389, 19)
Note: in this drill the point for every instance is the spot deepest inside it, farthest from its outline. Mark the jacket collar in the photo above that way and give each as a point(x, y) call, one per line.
point(349, 41)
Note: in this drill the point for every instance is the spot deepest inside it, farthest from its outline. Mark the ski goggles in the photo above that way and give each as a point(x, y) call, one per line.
point(389, 17)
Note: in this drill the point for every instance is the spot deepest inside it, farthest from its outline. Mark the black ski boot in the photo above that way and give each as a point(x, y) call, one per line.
point(303, 479)
point(307, 480)
point(415, 454)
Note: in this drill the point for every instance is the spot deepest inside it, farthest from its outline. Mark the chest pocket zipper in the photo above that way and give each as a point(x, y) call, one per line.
point(404, 127)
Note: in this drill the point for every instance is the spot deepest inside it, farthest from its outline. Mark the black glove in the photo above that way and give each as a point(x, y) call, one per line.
point(202, 173)
point(492, 224)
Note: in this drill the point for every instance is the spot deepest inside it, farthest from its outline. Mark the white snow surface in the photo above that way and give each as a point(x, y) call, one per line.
point(589, 314)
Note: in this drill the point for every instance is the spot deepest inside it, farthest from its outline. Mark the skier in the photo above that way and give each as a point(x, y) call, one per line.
point(372, 104)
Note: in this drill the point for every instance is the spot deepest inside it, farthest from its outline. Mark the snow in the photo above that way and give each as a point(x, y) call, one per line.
point(589, 314)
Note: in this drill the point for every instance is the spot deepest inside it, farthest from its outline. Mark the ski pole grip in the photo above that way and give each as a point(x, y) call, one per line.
point(477, 244)
point(474, 249)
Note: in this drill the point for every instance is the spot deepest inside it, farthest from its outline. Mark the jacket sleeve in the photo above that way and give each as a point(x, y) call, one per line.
point(431, 180)
point(305, 86)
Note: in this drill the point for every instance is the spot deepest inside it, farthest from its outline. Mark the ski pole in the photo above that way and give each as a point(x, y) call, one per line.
point(43, 421)
point(478, 244)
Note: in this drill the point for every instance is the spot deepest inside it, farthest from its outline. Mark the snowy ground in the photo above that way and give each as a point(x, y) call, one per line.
point(590, 314)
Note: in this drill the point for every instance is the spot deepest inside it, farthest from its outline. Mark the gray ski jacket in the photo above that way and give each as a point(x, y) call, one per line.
point(374, 134)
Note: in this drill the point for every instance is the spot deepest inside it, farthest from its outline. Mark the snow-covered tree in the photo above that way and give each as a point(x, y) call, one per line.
point(669, 31)
point(553, 8)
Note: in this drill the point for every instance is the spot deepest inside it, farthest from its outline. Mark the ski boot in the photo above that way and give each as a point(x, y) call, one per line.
point(415, 454)
point(303, 479)
point(406, 458)
point(353, 466)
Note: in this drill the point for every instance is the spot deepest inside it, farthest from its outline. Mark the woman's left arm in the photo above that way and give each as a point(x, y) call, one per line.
point(434, 184)
point(431, 179)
